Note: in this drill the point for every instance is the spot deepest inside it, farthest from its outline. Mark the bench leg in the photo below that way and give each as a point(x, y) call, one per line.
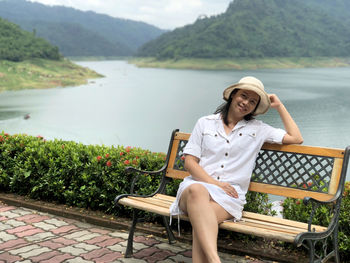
point(170, 234)
point(335, 242)
point(311, 247)
point(129, 247)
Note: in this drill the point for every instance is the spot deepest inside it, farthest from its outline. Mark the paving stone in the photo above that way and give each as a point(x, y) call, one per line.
point(77, 234)
point(145, 240)
point(6, 237)
point(131, 260)
point(92, 255)
point(58, 258)
point(64, 241)
point(8, 258)
point(82, 225)
point(45, 256)
point(178, 258)
point(15, 223)
point(22, 212)
point(72, 250)
point(9, 214)
point(120, 235)
point(86, 246)
point(64, 229)
point(100, 231)
point(23, 249)
point(51, 244)
point(111, 257)
point(32, 218)
point(167, 246)
point(87, 237)
point(4, 226)
point(56, 222)
point(109, 242)
point(79, 260)
point(6, 208)
point(29, 232)
point(161, 255)
point(137, 246)
point(44, 226)
point(35, 252)
point(12, 244)
point(19, 229)
point(39, 236)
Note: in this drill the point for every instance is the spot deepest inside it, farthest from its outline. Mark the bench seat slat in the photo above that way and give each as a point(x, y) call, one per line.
point(251, 223)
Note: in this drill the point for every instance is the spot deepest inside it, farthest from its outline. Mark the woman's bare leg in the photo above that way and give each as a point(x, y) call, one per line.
point(204, 215)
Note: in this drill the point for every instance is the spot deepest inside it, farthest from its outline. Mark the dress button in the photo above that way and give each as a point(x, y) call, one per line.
point(240, 134)
point(218, 177)
point(228, 141)
point(222, 166)
point(216, 135)
point(226, 154)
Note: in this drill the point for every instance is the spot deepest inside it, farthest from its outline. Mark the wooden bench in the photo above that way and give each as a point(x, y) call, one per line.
point(316, 175)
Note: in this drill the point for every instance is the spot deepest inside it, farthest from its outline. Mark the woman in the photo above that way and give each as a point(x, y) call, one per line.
point(220, 157)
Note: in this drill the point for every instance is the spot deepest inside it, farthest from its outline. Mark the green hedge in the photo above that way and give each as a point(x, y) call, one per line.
point(88, 176)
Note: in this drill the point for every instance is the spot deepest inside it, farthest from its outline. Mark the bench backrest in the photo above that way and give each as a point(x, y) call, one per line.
point(293, 171)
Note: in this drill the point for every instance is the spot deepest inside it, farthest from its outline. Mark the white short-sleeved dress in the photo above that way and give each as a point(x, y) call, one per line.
point(227, 158)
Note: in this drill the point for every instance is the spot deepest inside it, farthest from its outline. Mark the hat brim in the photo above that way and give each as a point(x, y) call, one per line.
point(264, 103)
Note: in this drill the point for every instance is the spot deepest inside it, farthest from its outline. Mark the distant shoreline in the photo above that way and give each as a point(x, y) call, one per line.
point(242, 63)
point(42, 74)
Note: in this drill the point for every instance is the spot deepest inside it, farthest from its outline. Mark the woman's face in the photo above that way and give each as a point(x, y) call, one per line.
point(244, 102)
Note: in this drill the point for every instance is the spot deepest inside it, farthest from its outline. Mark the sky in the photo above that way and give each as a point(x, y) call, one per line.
point(165, 14)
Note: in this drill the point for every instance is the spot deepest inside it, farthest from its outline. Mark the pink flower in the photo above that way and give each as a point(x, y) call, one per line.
point(109, 163)
point(128, 149)
point(182, 157)
point(107, 155)
point(121, 153)
point(126, 162)
point(297, 202)
point(99, 158)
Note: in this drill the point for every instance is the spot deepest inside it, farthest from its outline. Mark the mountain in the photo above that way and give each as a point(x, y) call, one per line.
point(18, 45)
point(79, 33)
point(259, 28)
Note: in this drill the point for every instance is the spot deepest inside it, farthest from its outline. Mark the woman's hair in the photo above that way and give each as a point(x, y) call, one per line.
point(224, 107)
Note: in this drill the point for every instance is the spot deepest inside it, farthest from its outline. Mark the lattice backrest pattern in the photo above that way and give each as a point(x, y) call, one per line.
point(294, 170)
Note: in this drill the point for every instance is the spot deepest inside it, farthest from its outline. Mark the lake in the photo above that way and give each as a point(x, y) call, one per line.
point(141, 106)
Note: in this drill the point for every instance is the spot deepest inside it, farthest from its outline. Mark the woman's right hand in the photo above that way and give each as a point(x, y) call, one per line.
point(229, 189)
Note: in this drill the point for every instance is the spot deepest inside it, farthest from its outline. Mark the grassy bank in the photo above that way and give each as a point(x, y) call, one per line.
point(242, 63)
point(42, 74)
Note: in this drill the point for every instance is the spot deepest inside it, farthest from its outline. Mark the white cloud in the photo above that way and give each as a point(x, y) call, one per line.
point(167, 14)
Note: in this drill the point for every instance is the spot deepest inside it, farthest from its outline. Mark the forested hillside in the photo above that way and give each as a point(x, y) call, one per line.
point(18, 45)
point(79, 33)
point(260, 28)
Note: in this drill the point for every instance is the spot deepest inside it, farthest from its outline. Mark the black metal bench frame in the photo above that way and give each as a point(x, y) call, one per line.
point(284, 170)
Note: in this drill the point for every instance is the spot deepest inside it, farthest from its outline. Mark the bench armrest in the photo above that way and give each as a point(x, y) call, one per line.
point(139, 172)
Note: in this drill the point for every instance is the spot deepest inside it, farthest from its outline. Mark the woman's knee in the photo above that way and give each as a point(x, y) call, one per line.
point(196, 191)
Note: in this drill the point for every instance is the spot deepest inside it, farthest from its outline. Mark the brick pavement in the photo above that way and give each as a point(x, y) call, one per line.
point(29, 236)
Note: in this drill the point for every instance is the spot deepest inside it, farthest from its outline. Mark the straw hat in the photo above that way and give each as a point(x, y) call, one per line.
point(253, 84)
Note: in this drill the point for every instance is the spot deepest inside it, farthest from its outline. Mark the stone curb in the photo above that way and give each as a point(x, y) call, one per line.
point(108, 221)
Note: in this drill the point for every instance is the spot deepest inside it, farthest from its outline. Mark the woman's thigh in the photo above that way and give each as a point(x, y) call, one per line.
point(221, 213)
